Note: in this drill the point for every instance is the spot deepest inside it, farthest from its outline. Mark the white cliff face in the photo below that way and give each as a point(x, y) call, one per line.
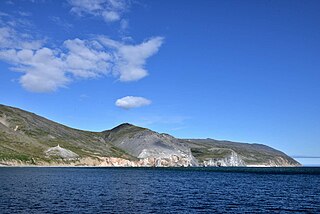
point(231, 160)
point(160, 161)
point(105, 162)
point(154, 149)
point(62, 153)
point(167, 157)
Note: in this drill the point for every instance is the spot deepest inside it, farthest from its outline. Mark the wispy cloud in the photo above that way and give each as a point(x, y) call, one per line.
point(46, 69)
point(23, 13)
point(83, 97)
point(108, 10)
point(10, 38)
point(3, 14)
point(15, 32)
point(61, 23)
point(178, 128)
point(130, 102)
point(166, 123)
point(164, 119)
point(124, 24)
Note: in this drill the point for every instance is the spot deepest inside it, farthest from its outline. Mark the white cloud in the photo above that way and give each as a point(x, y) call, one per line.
point(108, 10)
point(45, 69)
point(130, 59)
point(129, 102)
point(9, 38)
point(86, 58)
point(110, 16)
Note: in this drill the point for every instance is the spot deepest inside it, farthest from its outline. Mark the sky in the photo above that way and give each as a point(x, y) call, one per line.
point(245, 71)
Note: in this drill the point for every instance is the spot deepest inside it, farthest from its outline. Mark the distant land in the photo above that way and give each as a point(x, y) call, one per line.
point(27, 139)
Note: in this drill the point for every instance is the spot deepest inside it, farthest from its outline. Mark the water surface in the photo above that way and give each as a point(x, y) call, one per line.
point(159, 190)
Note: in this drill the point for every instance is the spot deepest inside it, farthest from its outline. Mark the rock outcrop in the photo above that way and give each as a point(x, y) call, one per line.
point(211, 152)
point(149, 146)
point(61, 153)
point(233, 159)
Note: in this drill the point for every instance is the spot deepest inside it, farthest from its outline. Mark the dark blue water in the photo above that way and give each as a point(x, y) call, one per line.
point(154, 190)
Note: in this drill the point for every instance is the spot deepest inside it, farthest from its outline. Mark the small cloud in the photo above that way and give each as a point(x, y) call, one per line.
point(178, 128)
point(110, 16)
point(83, 97)
point(129, 102)
point(124, 24)
point(62, 23)
point(108, 10)
point(23, 13)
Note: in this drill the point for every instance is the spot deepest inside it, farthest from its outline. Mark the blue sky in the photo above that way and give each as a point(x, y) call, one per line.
point(246, 71)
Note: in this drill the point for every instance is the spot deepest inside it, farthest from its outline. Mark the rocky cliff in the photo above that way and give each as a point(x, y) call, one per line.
point(211, 152)
point(28, 139)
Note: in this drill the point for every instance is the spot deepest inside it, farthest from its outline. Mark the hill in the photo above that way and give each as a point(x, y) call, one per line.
point(29, 139)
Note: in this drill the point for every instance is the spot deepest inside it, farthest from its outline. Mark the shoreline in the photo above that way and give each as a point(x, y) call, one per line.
point(178, 167)
point(141, 163)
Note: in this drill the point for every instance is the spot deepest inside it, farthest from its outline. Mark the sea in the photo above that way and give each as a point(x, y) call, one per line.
point(159, 190)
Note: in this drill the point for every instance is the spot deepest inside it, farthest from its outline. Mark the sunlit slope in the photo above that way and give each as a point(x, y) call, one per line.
point(24, 135)
point(250, 154)
point(27, 137)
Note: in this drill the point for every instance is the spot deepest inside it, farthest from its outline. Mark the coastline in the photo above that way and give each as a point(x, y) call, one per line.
point(126, 166)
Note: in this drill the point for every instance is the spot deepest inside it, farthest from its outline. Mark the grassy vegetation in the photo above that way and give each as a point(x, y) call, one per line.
point(14, 156)
point(121, 131)
point(119, 153)
point(206, 153)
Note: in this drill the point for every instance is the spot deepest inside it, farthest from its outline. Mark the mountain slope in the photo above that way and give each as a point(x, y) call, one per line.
point(29, 139)
point(244, 153)
point(146, 144)
point(25, 135)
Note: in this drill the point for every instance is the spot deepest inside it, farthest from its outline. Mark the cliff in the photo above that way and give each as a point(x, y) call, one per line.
point(29, 139)
point(226, 153)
